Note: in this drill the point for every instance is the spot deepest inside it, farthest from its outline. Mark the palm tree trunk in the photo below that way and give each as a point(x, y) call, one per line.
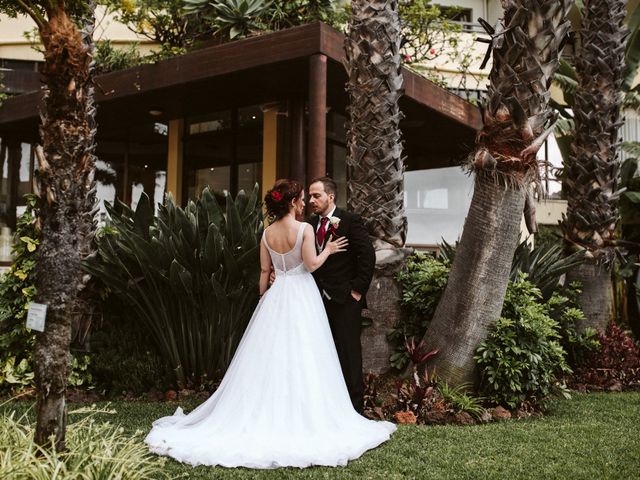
point(63, 180)
point(517, 118)
point(478, 280)
point(375, 165)
point(593, 167)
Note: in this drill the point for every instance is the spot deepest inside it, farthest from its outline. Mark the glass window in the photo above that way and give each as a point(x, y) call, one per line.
point(130, 161)
point(436, 203)
point(17, 168)
point(223, 150)
point(337, 154)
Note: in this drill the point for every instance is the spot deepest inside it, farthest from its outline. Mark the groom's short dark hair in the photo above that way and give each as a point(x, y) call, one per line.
point(329, 185)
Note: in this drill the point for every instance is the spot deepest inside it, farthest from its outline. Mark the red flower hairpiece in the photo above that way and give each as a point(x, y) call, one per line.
point(276, 195)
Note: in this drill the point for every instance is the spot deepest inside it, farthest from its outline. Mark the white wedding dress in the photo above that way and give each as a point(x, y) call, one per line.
point(283, 401)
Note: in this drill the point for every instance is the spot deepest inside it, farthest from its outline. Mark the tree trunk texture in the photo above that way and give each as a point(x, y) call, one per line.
point(526, 46)
point(592, 170)
point(597, 297)
point(472, 300)
point(375, 187)
point(64, 178)
point(383, 311)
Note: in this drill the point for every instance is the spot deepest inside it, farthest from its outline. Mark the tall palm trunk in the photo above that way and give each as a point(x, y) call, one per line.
point(593, 167)
point(65, 176)
point(374, 164)
point(526, 47)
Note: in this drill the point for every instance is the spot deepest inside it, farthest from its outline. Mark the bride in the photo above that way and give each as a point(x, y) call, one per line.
point(283, 402)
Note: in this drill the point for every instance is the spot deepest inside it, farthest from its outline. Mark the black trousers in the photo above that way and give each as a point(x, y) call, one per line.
point(345, 322)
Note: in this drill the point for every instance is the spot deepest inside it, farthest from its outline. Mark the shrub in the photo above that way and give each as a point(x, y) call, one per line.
point(109, 58)
point(95, 451)
point(17, 290)
point(188, 277)
point(522, 360)
point(615, 361)
point(564, 308)
point(422, 281)
point(125, 360)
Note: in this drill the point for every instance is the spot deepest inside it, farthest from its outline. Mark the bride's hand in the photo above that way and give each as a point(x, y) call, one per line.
point(337, 245)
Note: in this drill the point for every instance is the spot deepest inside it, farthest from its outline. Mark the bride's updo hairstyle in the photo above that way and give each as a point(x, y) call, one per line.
point(278, 199)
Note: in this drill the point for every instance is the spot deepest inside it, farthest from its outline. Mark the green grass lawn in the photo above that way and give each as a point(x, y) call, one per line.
point(593, 437)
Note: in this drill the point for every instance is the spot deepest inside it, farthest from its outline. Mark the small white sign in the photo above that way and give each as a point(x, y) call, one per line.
point(36, 316)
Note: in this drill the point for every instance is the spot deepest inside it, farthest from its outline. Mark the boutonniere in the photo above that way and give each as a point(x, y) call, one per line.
point(334, 223)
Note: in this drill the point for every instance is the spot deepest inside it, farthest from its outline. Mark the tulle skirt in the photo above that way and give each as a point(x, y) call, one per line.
point(283, 401)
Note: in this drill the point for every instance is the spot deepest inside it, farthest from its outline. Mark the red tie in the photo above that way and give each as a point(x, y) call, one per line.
point(322, 231)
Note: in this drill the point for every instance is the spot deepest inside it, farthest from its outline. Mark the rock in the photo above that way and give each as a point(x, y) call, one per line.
point(615, 387)
point(186, 393)
point(170, 395)
point(486, 416)
point(500, 413)
point(437, 418)
point(155, 395)
point(407, 417)
point(463, 418)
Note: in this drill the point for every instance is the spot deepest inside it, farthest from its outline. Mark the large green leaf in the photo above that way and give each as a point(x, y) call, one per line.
point(189, 277)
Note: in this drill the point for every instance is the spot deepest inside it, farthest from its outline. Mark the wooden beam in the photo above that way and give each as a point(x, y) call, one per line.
point(317, 143)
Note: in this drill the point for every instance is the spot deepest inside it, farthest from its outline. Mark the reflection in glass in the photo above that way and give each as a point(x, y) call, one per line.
point(436, 203)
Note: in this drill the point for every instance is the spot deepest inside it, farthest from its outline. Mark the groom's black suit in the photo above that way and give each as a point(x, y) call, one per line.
point(340, 274)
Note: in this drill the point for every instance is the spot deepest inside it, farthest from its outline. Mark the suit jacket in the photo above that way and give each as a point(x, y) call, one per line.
point(350, 270)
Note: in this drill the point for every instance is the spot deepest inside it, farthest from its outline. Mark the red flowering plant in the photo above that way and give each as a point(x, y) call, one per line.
point(276, 195)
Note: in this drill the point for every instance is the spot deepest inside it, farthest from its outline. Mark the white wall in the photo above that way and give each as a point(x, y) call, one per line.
point(13, 44)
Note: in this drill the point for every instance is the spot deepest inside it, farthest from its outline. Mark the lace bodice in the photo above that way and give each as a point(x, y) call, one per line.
point(288, 263)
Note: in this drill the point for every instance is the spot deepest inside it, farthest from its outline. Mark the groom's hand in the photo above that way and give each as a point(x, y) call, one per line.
point(356, 296)
point(272, 276)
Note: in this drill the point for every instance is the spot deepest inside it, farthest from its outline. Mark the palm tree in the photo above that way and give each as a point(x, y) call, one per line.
point(375, 163)
point(64, 185)
point(375, 182)
point(526, 45)
point(592, 169)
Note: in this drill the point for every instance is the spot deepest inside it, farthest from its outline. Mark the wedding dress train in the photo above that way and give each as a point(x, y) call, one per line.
point(283, 401)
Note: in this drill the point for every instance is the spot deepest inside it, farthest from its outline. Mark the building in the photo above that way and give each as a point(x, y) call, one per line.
point(231, 115)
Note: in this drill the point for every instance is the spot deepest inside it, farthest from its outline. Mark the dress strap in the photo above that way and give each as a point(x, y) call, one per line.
point(300, 232)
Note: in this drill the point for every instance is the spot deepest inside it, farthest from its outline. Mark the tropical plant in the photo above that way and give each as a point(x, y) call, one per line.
point(109, 58)
point(429, 34)
point(17, 290)
point(97, 450)
point(591, 170)
point(544, 265)
point(517, 119)
point(461, 400)
point(231, 18)
point(188, 276)
point(615, 364)
point(161, 21)
point(422, 282)
point(522, 361)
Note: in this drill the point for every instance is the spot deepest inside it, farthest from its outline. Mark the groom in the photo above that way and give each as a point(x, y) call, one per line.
point(343, 280)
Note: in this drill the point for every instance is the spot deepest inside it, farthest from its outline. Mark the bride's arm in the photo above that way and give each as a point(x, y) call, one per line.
point(312, 261)
point(265, 268)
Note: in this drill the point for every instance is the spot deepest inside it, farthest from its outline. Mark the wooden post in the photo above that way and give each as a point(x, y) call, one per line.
point(174, 159)
point(317, 145)
point(269, 148)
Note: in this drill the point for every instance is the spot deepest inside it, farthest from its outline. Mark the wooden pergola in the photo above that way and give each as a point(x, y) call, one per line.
point(299, 68)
